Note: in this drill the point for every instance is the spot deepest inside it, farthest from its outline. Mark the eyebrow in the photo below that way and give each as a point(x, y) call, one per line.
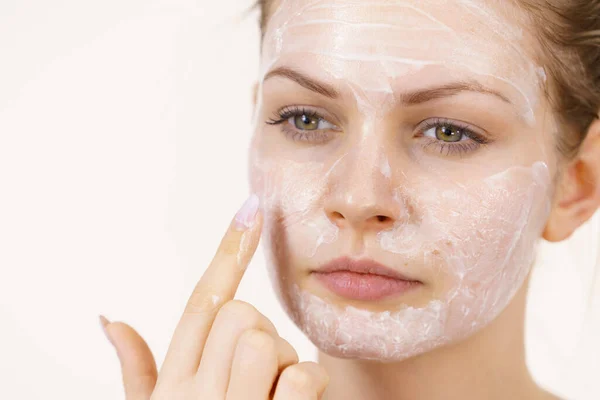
point(408, 98)
point(305, 81)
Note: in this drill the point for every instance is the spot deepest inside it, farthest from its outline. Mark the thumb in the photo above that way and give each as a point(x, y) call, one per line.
point(138, 366)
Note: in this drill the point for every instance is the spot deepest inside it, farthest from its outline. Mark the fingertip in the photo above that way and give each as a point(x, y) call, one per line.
point(104, 324)
point(103, 320)
point(243, 235)
point(246, 217)
point(138, 367)
point(132, 349)
point(121, 332)
point(249, 243)
point(123, 337)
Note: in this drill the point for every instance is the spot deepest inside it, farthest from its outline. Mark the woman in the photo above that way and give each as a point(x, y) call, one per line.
point(407, 158)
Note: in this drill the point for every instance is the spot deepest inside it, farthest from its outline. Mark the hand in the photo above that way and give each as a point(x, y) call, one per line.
point(222, 349)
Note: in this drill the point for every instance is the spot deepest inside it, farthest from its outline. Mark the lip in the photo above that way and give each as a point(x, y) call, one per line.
point(363, 279)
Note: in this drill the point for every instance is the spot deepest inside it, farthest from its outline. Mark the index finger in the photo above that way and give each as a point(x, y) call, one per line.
point(217, 286)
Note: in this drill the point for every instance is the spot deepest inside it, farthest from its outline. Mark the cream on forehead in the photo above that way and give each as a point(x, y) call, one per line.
point(372, 44)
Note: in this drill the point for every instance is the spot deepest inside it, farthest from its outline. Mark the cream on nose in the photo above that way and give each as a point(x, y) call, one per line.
point(362, 200)
point(361, 187)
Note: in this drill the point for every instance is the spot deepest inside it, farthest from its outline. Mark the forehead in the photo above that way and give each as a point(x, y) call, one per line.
point(375, 45)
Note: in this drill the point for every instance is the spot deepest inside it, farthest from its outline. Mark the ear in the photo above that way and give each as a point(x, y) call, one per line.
point(578, 194)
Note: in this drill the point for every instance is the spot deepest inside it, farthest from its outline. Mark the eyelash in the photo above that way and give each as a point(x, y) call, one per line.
point(315, 136)
point(476, 140)
point(319, 136)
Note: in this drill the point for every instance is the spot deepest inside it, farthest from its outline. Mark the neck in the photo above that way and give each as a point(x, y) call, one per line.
point(488, 365)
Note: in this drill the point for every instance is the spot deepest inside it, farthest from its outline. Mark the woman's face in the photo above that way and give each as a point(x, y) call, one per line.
point(408, 134)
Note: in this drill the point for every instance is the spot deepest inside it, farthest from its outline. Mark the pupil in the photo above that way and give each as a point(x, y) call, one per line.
point(448, 133)
point(306, 122)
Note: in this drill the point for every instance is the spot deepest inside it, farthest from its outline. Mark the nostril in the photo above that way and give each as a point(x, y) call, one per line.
point(337, 215)
point(382, 218)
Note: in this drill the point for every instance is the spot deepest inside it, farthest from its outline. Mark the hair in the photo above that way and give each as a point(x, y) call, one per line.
point(569, 34)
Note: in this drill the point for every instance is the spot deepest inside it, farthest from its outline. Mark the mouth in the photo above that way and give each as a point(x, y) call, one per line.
point(363, 279)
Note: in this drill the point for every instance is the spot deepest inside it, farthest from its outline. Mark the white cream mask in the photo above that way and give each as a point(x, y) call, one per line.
point(370, 44)
point(465, 226)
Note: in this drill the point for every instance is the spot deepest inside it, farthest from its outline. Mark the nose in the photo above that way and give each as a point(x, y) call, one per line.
point(363, 200)
point(365, 186)
point(360, 215)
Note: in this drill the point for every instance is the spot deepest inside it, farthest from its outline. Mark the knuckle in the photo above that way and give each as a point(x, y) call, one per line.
point(242, 313)
point(292, 351)
point(256, 350)
point(324, 377)
point(323, 374)
point(201, 303)
point(296, 378)
point(261, 342)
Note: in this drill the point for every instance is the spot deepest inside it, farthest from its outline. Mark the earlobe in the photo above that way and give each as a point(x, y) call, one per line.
point(578, 195)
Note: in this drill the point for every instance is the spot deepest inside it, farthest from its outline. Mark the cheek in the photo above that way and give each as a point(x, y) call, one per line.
point(482, 240)
point(468, 231)
point(473, 243)
point(292, 197)
point(295, 224)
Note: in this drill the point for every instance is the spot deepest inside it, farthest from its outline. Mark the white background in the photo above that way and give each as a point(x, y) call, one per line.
point(124, 127)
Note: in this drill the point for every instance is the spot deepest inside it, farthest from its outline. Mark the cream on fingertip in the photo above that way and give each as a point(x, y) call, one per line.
point(246, 216)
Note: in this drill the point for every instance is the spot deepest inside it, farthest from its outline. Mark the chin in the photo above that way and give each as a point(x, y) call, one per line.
point(345, 329)
point(350, 332)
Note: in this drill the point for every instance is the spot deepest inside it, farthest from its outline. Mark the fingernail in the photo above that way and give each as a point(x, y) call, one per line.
point(103, 323)
point(245, 217)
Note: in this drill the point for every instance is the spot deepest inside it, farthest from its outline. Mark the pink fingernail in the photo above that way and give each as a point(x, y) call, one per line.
point(246, 216)
point(103, 323)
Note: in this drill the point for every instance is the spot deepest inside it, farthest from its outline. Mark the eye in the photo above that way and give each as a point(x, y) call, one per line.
point(302, 124)
point(451, 137)
point(446, 133)
point(306, 122)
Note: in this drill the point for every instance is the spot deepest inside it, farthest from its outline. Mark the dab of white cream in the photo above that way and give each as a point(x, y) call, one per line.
point(385, 167)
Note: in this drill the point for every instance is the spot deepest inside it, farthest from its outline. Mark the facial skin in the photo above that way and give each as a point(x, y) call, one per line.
point(377, 180)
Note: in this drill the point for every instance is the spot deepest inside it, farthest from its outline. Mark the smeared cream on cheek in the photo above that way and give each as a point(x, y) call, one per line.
point(292, 195)
point(482, 254)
